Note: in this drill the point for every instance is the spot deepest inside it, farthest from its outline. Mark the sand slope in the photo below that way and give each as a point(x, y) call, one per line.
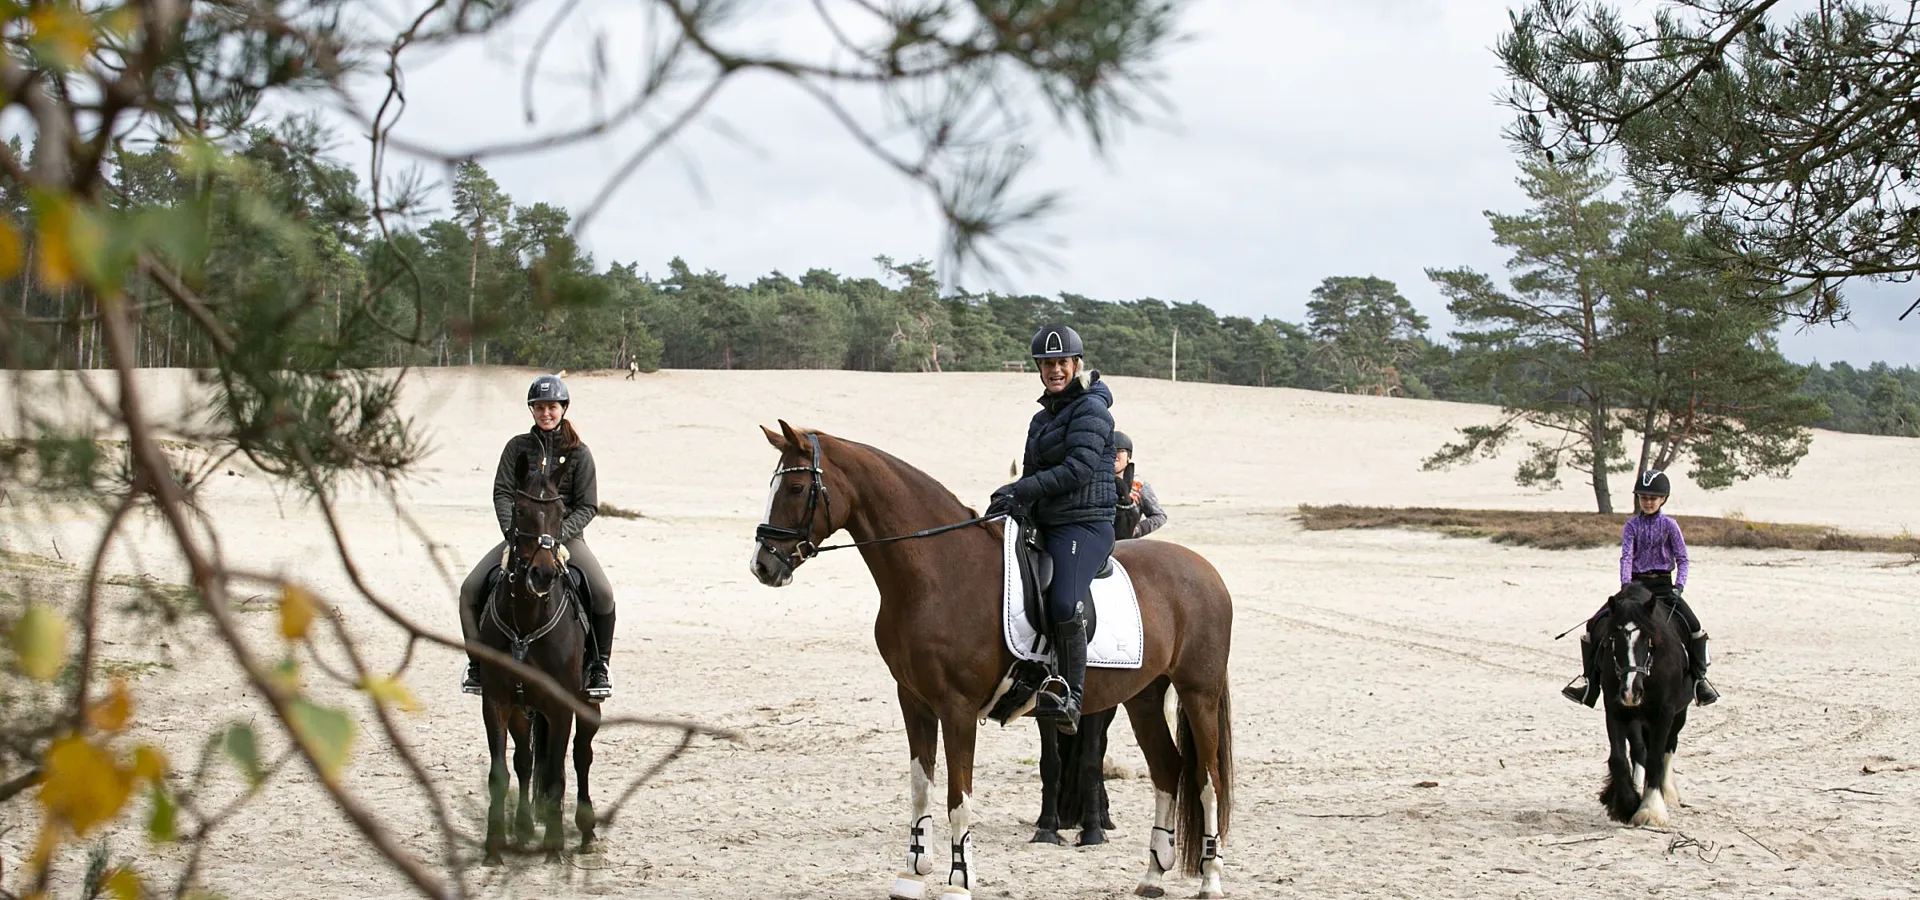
point(1364, 663)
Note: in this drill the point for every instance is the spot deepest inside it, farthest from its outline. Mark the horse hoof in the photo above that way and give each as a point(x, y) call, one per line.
point(588, 846)
point(955, 892)
point(1091, 836)
point(905, 888)
point(1150, 891)
point(492, 860)
point(1211, 895)
point(1047, 836)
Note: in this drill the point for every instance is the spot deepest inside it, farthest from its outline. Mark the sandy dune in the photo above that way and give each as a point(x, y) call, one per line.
point(1365, 662)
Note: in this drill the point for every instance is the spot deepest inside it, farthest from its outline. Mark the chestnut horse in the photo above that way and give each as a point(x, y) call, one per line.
point(938, 569)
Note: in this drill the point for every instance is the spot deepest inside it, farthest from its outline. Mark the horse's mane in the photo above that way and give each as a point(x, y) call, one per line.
point(1635, 603)
point(911, 474)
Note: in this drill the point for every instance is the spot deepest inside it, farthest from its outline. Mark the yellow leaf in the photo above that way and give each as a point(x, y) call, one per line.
point(70, 241)
point(40, 642)
point(327, 733)
point(121, 22)
point(62, 33)
point(81, 785)
point(112, 713)
point(392, 692)
point(10, 253)
point(149, 763)
point(296, 612)
point(123, 885)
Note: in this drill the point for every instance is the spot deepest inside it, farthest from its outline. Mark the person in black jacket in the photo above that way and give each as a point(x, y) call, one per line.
point(1066, 489)
point(551, 437)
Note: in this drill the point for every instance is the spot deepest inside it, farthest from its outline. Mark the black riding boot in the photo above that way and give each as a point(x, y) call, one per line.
point(1070, 654)
point(599, 676)
point(1703, 693)
point(471, 684)
point(1583, 689)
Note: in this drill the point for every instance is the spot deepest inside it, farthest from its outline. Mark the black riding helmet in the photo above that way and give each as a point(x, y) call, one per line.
point(1122, 442)
point(548, 387)
point(1057, 342)
point(1653, 483)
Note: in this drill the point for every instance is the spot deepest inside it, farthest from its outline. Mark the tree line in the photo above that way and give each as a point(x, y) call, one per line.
point(1615, 325)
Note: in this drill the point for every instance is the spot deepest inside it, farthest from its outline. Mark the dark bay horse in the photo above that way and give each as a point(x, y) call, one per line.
point(532, 617)
point(1073, 781)
point(1644, 680)
point(938, 629)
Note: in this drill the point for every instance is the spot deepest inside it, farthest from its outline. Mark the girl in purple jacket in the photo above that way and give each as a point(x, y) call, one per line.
point(1654, 553)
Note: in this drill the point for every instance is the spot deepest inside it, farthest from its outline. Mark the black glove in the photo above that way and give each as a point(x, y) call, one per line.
point(1679, 589)
point(1001, 504)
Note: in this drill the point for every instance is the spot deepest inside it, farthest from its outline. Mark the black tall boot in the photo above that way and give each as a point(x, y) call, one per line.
point(599, 674)
point(471, 684)
point(1070, 655)
point(1584, 689)
point(1703, 693)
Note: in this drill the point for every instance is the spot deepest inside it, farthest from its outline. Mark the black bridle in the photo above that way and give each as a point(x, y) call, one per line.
point(818, 496)
point(517, 569)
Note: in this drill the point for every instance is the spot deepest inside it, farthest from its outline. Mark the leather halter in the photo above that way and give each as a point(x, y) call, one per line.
point(801, 532)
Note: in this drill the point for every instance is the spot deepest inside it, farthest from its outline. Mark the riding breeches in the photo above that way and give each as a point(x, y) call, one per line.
point(1079, 551)
point(579, 555)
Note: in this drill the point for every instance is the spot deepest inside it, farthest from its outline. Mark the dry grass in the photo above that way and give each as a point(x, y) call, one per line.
point(1573, 531)
point(618, 512)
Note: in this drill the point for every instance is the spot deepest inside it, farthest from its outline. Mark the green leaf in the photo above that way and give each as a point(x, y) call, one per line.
point(245, 750)
point(161, 823)
point(326, 732)
point(40, 642)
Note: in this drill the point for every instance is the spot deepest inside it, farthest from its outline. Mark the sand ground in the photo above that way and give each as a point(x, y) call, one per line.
point(1365, 663)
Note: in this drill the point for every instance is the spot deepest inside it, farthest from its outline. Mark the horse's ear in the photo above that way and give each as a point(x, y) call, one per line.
point(779, 443)
point(793, 437)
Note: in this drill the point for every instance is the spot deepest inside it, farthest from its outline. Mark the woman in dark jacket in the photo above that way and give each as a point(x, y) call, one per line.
point(552, 437)
point(1066, 490)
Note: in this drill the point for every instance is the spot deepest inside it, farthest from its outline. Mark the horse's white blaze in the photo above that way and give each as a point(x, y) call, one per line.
point(918, 861)
point(960, 877)
point(1210, 865)
point(1159, 842)
point(766, 518)
point(1629, 688)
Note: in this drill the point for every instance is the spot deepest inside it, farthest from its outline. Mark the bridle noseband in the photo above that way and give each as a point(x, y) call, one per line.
point(804, 548)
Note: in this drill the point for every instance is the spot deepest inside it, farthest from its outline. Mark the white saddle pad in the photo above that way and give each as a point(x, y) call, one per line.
point(1118, 641)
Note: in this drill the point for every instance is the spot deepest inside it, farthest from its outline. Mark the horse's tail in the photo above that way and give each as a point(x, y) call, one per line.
point(1192, 826)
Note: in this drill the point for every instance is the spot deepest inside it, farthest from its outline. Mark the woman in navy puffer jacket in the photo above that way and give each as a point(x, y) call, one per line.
point(1066, 490)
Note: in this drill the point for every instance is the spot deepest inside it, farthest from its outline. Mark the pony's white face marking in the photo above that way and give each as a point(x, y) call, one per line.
point(1630, 686)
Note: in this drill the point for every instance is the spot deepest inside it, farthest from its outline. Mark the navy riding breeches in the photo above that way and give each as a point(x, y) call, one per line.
point(1079, 551)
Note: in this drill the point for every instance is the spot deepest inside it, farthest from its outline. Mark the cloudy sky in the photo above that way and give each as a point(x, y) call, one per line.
point(1302, 139)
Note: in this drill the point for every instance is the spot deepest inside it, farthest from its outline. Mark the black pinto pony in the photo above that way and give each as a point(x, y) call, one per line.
point(1644, 680)
point(1073, 785)
point(533, 617)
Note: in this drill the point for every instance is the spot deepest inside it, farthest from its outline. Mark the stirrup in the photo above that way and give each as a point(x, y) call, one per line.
point(1578, 693)
point(1704, 693)
point(599, 681)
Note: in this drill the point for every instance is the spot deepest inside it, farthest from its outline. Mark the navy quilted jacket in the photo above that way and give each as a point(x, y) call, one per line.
point(1067, 475)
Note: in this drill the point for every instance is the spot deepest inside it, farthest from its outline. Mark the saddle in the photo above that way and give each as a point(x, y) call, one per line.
point(1036, 577)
